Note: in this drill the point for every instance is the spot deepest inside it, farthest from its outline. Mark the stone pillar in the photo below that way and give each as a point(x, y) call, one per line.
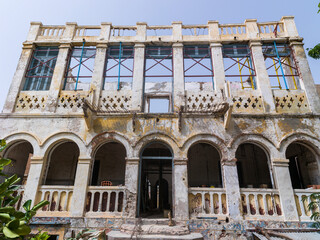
point(34, 179)
point(231, 185)
point(180, 199)
point(98, 73)
point(138, 77)
point(289, 25)
point(34, 31)
point(58, 79)
point(306, 79)
point(18, 78)
point(131, 183)
point(81, 182)
point(262, 77)
point(69, 31)
point(178, 77)
point(105, 31)
point(284, 185)
point(218, 68)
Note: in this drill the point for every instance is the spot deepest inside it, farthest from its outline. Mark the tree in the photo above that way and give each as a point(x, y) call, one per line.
point(315, 51)
point(313, 207)
point(14, 224)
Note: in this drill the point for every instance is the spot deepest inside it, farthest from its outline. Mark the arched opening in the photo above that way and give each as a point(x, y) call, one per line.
point(62, 164)
point(109, 165)
point(155, 184)
point(204, 169)
point(253, 167)
point(20, 154)
point(303, 166)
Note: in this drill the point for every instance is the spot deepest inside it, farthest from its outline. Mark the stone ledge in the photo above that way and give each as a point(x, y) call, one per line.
point(116, 235)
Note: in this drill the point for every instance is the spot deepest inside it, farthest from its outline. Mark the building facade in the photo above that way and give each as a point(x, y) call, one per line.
point(118, 126)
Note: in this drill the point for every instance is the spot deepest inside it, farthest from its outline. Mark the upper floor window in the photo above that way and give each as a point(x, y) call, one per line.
point(238, 66)
point(40, 70)
point(198, 72)
point(80, 69)
point(281, 66)
point(119, 68)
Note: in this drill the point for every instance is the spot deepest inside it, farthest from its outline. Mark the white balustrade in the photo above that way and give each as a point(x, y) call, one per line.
point(105, 199)
point(207, 202)
point(260, 203)
point(121, 31)
point(82, 31)
point(232, 29)
point(52, 31)
point(58, 196)
point(195, 30)
point(270, 27)
point(302, 206)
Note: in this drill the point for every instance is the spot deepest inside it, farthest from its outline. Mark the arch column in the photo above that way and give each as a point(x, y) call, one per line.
point(180, 189)
point(283, 184)
point(34, 179)
point(231, 185)
point(131, 183)
point(81, 182)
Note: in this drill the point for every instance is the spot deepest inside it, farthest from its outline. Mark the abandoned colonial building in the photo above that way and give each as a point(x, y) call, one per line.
point(165, 132)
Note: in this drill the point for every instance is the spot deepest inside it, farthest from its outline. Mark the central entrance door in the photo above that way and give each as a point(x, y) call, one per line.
point(155, 183)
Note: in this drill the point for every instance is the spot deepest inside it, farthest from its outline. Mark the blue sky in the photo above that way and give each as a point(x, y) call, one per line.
point(15, 16)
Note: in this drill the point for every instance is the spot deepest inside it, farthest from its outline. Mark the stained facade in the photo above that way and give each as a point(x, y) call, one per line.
point(119, 125)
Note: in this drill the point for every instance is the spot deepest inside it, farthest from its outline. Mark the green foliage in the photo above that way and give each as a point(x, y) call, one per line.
point(14, 224)
point(313, 207)
point(314, 52)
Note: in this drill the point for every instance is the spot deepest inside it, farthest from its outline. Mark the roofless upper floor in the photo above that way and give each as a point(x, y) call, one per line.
point(253, 67)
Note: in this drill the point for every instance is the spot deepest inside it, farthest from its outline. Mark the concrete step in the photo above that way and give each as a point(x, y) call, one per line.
point(116, 235)
point(155, 229)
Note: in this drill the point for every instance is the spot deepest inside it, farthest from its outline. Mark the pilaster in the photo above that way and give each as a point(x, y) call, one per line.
point(131, 183)
point(34, 179)
point(262, 77)
point(180, 189)
point(98, 73)
point(289, 26)
point(18, 78)
point(138, 77)
point(218, 66)
point(69, 31)
point(34, 31)
point(57, 80)
point(81, 182)
point(231, 185)
point(178, 77)
point(283, 184)
point(306, 79)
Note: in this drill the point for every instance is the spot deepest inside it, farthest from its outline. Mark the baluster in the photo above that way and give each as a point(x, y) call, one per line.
point(66, 201)
point(203, 202)
point(265, 203)
point(108, 200)
point(56, 208)
point(50, 199)
point(92, 201)
point(270, 28)
point(255, 196)
point(211, 203)
point(248, 204)
point(100, 201)
point(220, 203)
point(303, 209)
point(124, 201)
point(116, 203)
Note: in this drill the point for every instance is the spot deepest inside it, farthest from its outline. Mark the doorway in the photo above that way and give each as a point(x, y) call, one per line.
point(155, 182)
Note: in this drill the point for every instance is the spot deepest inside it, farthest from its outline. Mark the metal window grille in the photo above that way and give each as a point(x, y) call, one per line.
point(40, 70)
point(119, 66)
point(198, 64)
point(281, 65)
point(79, 72)
point(239, 66)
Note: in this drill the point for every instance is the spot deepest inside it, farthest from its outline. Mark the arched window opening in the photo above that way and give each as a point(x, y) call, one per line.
point(253, 168)
point(62, 164)
point(303, 167)
point(109, 165)
point(20, 154)
point(155, 186)
point(204, 169)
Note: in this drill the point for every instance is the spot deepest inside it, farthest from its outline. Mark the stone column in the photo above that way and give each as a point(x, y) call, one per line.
point(81, 182)
point(138, 77)
point(180, 189)
point(284, 185)
point(98, 72)
point(58, 79)
point(218, 68)
point(231, 185)
point(178, 77)
point(34, 179)
point(131, 183)
point(18, 78)
point(306, 79)
point(262, 77)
